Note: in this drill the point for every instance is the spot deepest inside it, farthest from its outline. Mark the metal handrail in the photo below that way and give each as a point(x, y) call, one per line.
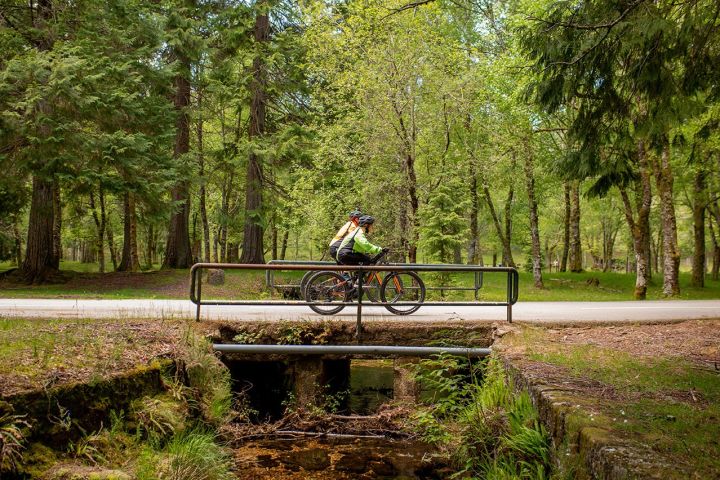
point(270, 277)
point(393, 350)
point(196, 284)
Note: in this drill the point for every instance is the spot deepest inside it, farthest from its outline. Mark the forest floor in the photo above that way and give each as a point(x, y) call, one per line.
point(653, 386)
point(82, 282)
point(656, 387)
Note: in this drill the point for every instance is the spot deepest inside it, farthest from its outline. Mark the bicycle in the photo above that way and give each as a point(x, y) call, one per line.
point(328, 287)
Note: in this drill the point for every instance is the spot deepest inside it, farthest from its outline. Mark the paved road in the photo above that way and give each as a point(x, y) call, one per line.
point(542, 312)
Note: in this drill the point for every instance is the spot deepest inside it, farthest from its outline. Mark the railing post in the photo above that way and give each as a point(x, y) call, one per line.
point(358, 325)
point(198, 272)
point(509, 295)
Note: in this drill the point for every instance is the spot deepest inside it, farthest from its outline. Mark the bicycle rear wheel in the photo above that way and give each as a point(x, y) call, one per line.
point(326, 287)
point(304, 281)
point(401, 287)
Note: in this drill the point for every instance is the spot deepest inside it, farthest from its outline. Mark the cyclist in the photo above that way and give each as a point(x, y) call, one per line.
point(345, 230)
point(355, 249)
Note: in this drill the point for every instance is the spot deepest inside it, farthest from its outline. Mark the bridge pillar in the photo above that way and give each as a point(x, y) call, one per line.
point(405, 387)
point(307, 380)
point(314, 378)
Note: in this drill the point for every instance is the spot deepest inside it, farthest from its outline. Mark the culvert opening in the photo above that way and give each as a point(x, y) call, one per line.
point(371, 385)
point(264, 386)
point(354, 437)
point(347, 387)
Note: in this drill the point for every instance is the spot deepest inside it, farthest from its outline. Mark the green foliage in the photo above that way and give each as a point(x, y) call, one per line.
point(12, 439)
point(194, 455)
point(87, 448)
point(210, 379)
point(444, 225)
point(488, 429)
point(158, 418)
point(305, 333)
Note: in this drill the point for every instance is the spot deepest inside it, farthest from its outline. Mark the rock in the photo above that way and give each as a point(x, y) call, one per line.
point(311, 459)
point(356, 461)
point(383, 468)
point(593, 282)
point(216, 276)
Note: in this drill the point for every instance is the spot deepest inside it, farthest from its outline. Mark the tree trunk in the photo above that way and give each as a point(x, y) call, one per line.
point(252, 250)
point(109, 235)
point(575, 254)
point(283, 249)
point(149, 247)
point(100, 227)
point(203, 181)
point(715, 272)
point(474, 256)
point(457, 254)
point(215, 245)
point(225, 216)
point(414, 207)
point(274, 241)
point(178, 253)
point(566, 230)
point(57, 224)
point(505, 241)
point(534, 224)
point(39, 262)
point(699, 200)
point(18, 242)
point(129, 261)
point(640, 229)
point(671, 261)
point(507, 250)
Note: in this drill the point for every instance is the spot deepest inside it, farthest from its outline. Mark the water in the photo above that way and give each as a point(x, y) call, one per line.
point(371, 385)
point(337, 459)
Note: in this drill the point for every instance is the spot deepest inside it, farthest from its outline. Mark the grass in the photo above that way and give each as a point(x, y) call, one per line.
point(84, 283)
point(669, 404)
point(34, 352)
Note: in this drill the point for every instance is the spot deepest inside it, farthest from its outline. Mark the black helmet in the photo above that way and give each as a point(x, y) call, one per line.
point(355, 214)
point(366, 220)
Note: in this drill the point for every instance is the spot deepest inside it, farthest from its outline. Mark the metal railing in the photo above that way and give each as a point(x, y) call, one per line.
point(270, 276)
point(196, 284)
point(381, 350)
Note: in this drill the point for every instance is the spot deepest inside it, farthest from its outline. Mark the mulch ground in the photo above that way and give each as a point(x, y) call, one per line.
point(694, 340)
point(39, 354)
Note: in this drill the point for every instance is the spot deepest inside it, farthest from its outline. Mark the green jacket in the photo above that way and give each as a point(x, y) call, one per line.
point(358, 242)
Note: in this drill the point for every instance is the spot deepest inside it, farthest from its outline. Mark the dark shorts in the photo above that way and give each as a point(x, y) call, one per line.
point(353, 258)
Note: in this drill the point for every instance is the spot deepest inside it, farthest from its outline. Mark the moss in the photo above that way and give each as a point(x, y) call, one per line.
point(37, 459)
point(79, 472)
point(64, 413)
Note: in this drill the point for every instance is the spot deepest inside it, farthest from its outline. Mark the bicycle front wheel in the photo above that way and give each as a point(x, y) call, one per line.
point(402, 287)
point(326, 287)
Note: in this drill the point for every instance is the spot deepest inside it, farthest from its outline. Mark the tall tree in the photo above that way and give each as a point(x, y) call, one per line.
point(252, 247)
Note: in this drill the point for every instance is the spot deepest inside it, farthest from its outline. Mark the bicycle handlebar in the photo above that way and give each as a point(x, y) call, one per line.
point(379, 256)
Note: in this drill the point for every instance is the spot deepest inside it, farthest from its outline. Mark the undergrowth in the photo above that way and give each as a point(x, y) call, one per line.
point(478, 420)
point(170, 436)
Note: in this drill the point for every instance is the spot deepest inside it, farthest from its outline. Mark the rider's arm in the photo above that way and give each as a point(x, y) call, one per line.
point(362, 245)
